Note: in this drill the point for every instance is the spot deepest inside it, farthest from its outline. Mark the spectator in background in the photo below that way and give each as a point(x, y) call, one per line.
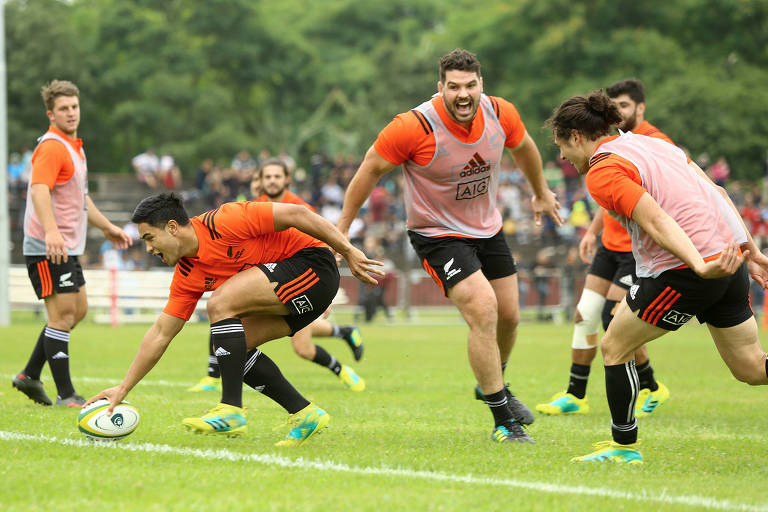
point(243, 163)
point(169, 172)
point(542, 276)
point(15, 173)
point(720, 171)
point(290, 163)
point(147, 166)
point(372, 298)
point(201, 177)
point(570, 175)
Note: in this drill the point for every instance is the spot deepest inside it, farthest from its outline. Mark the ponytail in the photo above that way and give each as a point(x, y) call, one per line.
point(591, 115)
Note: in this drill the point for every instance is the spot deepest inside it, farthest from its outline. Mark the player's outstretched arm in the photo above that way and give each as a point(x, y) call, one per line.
point(294, 216)
point(671, 237)
point(155, 341)
point(114, 234)
point(374, 166)
point(528, 158)
point(588, 243)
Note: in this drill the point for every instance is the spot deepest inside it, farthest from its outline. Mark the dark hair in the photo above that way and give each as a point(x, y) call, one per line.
point(461, 60)
point(274, 161)
point(591, 115)
point(632, 87)
point(159, 209)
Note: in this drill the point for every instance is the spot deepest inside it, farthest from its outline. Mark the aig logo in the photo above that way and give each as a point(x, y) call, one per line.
point(676, 318)
point(472, 189)
point(302, 304)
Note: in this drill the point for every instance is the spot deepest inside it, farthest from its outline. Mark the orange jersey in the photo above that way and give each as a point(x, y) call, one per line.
point(607, 183)
point(615, 237)
point(232, 238)
point(51, 162)
point(290, 198)
point(409, 137)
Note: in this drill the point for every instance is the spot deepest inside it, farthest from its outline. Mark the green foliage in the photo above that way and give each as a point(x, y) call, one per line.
point(207, 77)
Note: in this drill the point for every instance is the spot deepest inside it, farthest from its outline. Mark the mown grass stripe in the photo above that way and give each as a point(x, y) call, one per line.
point(303, 464)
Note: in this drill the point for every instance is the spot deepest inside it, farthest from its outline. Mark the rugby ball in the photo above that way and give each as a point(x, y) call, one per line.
point(96, 425)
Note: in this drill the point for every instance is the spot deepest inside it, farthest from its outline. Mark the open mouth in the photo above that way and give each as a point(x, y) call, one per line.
point(464, 107)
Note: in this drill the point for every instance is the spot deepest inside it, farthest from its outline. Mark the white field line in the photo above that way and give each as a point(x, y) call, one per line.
point(116, 381)
point(303, 464)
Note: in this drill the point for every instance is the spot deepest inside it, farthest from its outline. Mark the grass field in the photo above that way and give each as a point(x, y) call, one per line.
point(414, 440)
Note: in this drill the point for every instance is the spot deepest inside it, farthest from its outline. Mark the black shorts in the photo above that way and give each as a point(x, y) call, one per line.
point(674, 297)
point(49, 278)
point(616, 267)
point(450, 259)
point(307, 282)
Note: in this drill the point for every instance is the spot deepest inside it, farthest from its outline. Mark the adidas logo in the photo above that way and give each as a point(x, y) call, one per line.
point(210, 282)
point(476, 165)
point(270, 266)
point(59, 355)
point(221, 351)
point(633, 290)
point(626, 280)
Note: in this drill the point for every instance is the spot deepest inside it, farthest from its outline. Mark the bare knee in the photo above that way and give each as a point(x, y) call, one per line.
point(481, 314)
point(217, 308)
point(614, 352)
point(751, 376)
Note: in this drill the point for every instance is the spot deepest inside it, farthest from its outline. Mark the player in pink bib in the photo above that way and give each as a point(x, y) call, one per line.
point(692, 250)
point(450, 148)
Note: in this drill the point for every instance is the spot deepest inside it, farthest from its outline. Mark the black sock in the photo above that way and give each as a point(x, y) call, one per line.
point(213, 362)
point(37, 358)
point(56, 344)
point(228, 337)
point(645, 376)
point(766, 366)
point(263, 375)
point(323, 358)
point(621, 387)
point(498, 404)
point(577, 384)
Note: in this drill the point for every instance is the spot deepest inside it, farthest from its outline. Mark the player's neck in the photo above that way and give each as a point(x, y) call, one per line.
point(190, 245)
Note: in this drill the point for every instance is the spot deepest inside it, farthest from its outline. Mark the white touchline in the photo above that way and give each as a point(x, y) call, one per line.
point(301, 463)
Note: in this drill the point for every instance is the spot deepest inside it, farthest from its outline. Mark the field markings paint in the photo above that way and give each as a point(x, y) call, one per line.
point(116, 381)
point(304, 464)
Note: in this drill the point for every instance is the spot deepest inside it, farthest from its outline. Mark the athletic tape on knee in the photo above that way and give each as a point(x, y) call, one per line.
point(590, 307)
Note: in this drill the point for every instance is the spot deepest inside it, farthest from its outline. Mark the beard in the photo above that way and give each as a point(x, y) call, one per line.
point(629, 123)
point(274, 193)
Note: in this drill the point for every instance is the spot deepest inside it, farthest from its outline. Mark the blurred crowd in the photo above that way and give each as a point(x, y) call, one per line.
point(542, 251)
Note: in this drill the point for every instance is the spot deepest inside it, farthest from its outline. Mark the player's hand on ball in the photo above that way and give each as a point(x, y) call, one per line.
point(115, 395)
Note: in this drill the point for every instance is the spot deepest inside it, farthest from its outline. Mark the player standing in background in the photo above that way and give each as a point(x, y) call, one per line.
point(450, 148)
point(270, 183)
point(610, 275)
point(271, 275)
point(57, 214)
point(686, 235)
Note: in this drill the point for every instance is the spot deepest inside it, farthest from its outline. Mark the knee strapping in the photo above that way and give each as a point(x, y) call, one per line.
point(589, 308)
point(608, 310)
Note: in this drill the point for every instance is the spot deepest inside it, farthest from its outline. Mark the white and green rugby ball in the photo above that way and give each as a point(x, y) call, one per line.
point(95, 424)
